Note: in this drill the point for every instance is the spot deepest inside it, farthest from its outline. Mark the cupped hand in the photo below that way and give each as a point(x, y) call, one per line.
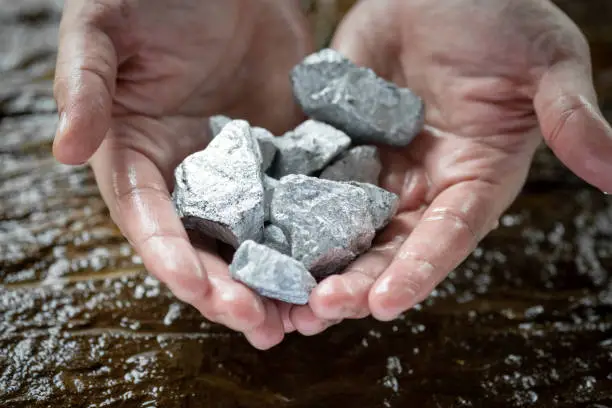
point(497, 78)
point(135, 82)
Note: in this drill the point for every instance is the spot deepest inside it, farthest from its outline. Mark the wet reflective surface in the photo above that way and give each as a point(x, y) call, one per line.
point(526, 321)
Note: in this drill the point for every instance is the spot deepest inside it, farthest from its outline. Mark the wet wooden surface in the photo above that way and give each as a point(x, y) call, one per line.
point(526, 321)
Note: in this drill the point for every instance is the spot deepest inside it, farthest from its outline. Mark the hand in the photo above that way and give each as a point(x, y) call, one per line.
point(135, 82)
point(496, 76)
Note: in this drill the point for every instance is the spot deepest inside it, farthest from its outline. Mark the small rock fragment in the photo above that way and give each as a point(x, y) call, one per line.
point(267, 145)
point(275, 238)
point(217, 123)
point(327, 223)
point(219, 190)
point(264, 137)
point(272, 274)
point(383, 204)
point(308, 148)
point(332, 89)
point(361, 164)
point(269, 184)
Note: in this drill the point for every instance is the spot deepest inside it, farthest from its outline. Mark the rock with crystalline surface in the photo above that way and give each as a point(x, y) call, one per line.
point(308, 148)
point(383, 204)
point(217, 123)
point(219, 190)
point(269, 184)
point(264, 137)
point(275, 238)
point(332, 89)
point(327, 223)
point(267, 145)
point(361, 164)
point(272, 274)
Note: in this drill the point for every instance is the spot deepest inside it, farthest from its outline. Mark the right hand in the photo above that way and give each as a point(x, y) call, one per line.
point(135, 83)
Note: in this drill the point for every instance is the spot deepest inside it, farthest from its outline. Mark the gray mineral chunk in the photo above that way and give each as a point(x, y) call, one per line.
point(272, 274)
point(383, 204)
point(308, 148)
point(219, 190)
point(264, 137)
point(275, 238)
point(217, 123)
point(269, 185)
point(361, 163)
point(327, 223)
point(332, 89)
point(267, 145)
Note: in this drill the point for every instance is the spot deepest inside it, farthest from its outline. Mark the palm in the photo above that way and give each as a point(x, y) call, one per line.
point(142, 96)
point(482, 69)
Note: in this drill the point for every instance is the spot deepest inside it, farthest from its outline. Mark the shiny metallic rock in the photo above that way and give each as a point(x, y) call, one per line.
point(275, 238)
point(264, 137)
point(269, 184)
point(308, 148)
point(219, 190)
point(383, 204)
point(217, 123)
point(332, 89)
point(327, 223)
point(272, 274)
point(267, 146)
point(361, 163)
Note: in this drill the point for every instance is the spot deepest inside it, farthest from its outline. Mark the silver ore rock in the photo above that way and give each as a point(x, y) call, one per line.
point(219, 190)
point(332, 89)
point(272, 274)
point(361, 164)
point(327, 223)
point(308, 148)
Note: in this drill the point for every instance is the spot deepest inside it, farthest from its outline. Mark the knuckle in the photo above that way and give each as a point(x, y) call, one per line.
point(102, 12)
point(567, 107)
point(448, 214)
point(128, 196)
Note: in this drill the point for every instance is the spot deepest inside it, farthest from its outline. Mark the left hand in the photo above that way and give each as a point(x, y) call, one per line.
point(495, 76)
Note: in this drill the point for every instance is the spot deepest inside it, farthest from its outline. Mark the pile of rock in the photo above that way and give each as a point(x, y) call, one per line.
point(301, 206)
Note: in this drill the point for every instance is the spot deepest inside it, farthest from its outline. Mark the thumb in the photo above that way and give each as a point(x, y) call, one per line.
point(85, 76)
point(572, 124)
point(359, 40)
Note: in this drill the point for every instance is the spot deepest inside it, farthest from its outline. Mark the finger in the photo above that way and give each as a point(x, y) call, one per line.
point(229, 302)
point(572, 124)
point(307, 323)
point(285, 312)
point(86, 70)
point(270, 332)
point(448, 231)
point(345, 296)
point(138, 199)
point(371, 48)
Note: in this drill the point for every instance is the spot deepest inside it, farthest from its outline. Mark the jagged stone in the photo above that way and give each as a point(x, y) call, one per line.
point(327, 223)
point(271, 273)
point(383, 204)
point(332, 89)
point(275, 238)
point(308, 148)
point(269, 184)
point(264, 137)
point(267, 146)
point(219, 190)
point(361, 164)
point(217, 123)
